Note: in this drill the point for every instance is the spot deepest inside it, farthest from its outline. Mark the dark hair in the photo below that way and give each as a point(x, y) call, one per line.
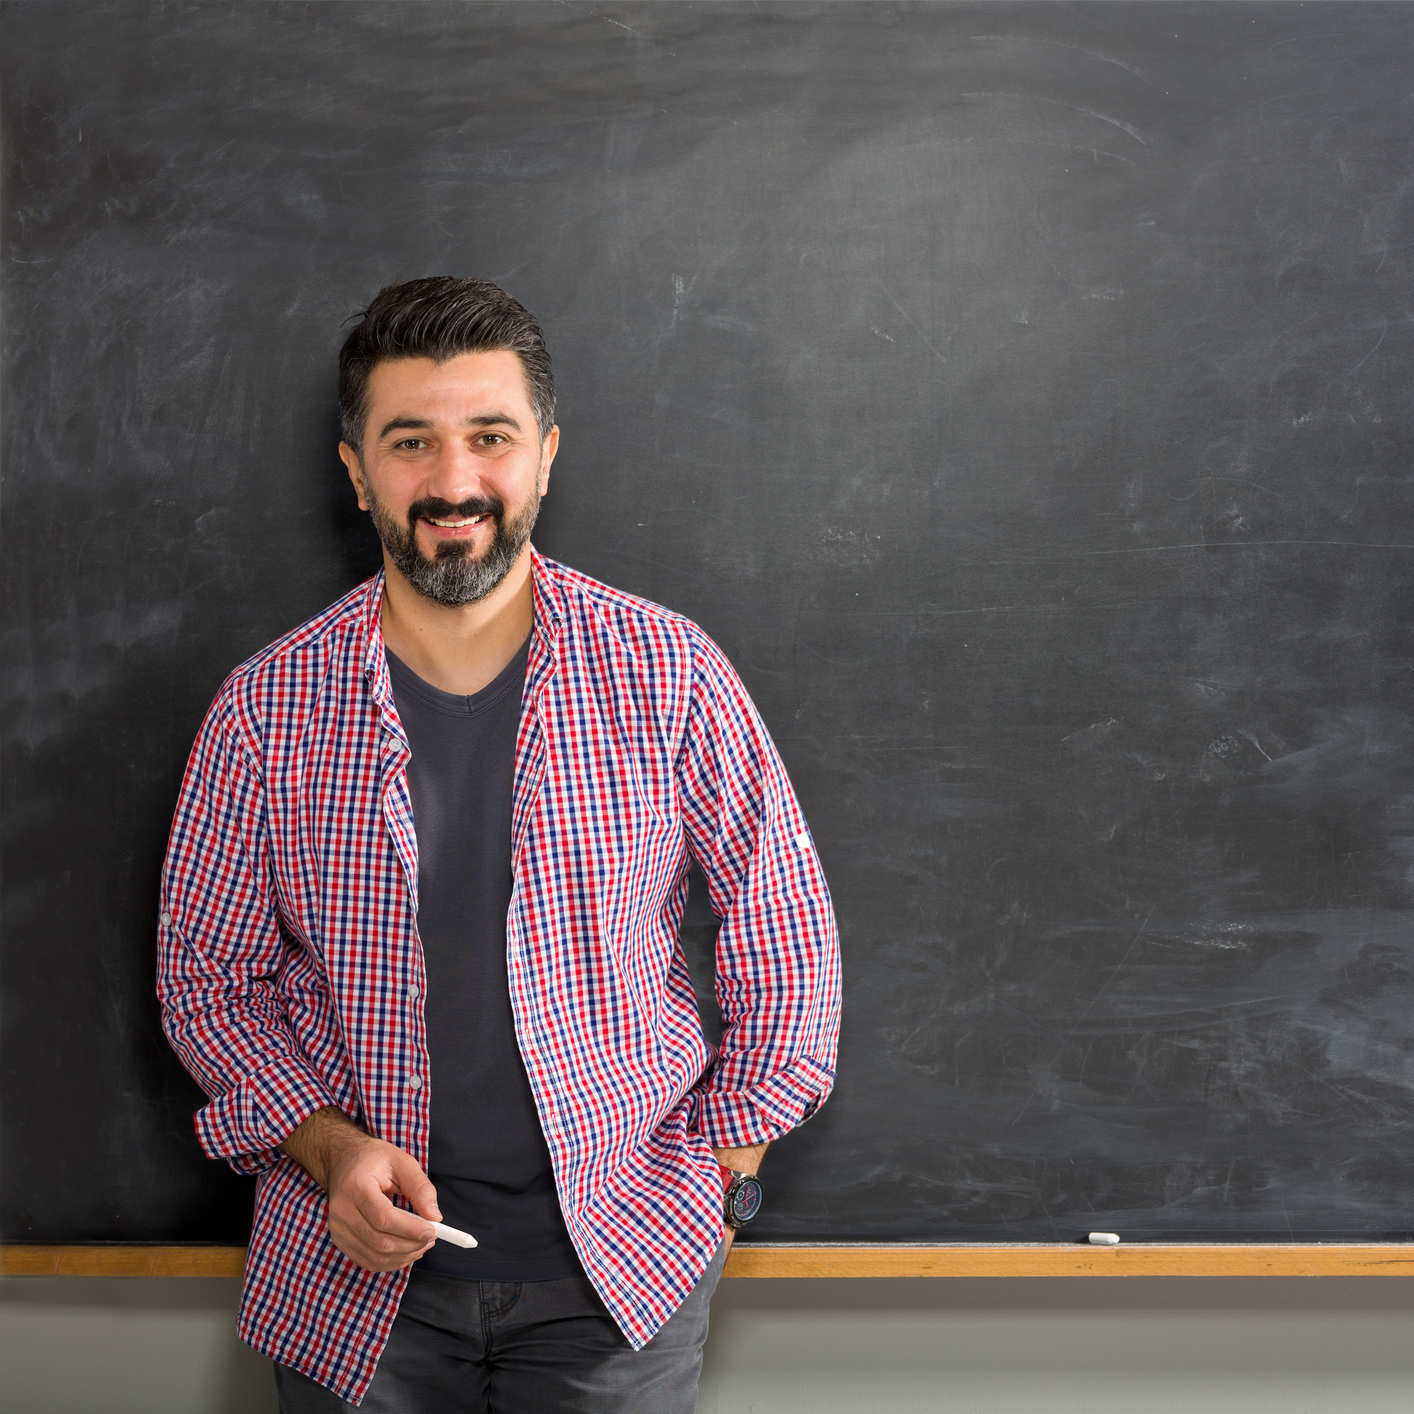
point(438, 318)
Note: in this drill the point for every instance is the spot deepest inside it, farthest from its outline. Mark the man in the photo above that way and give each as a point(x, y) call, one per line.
point(419, 937)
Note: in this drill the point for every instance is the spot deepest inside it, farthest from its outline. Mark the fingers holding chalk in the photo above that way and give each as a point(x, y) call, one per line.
point(465, 1239)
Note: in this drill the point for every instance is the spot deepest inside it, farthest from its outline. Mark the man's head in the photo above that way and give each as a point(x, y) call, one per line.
point(448, 405)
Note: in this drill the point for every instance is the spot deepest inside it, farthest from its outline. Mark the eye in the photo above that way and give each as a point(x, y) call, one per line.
point(491, 439)
point(409, 444)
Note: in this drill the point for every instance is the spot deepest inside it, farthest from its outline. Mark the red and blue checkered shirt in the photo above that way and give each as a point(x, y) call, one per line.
point(291, 975)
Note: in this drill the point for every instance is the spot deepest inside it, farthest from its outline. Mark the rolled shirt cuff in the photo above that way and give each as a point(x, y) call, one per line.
point(246, 1124)
point(738, 1119)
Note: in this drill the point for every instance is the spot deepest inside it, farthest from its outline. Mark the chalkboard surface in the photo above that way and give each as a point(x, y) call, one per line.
point(1020, 394)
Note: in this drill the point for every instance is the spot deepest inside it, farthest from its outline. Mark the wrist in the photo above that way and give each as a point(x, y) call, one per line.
point(744, 1160)
point(324, 1143)
point(341, 1146)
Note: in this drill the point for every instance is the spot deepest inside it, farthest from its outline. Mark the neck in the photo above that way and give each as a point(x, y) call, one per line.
point(463, 648)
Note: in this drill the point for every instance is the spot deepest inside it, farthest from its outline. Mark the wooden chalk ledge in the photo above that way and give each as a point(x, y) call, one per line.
point(846, 1260)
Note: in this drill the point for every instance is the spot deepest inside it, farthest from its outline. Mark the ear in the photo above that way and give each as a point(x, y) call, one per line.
point(351, 461)
point(548, 448)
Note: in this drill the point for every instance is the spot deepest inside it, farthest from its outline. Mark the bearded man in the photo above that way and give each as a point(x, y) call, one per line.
point(419, 929)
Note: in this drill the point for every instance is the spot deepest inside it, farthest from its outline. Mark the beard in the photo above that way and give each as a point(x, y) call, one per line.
point(455, 575)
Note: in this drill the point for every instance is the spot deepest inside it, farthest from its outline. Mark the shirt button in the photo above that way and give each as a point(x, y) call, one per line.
point(412, 992)
point(166, 920)
point(414, 1082)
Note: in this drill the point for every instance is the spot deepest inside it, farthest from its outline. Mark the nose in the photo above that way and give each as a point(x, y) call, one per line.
point(455, 474)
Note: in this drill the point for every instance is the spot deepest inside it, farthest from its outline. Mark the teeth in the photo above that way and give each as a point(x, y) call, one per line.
point(457, 524)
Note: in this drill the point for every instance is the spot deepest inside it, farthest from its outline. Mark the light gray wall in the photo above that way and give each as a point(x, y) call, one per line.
point(1133, 1345)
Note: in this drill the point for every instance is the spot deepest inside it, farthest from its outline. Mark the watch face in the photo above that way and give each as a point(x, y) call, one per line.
point(746, 1200)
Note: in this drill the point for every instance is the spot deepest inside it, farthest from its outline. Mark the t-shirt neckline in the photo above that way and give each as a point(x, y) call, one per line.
point(456, 704)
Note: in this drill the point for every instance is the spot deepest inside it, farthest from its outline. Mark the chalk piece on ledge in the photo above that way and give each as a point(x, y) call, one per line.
point(1104, 1239)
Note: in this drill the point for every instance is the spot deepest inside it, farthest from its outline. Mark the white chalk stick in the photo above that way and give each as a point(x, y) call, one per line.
point(1104, 1239)
point(465, 1239)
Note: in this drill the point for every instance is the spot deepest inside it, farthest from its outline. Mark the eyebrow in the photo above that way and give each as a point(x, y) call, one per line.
point(422, 424)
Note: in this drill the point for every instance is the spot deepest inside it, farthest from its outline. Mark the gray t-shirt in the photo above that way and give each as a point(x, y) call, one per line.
point(487, 1152)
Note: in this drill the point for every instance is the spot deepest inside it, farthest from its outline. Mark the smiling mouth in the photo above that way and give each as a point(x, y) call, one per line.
point(459, 524)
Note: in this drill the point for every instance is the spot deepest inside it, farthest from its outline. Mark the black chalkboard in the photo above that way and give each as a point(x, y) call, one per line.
point(1019, 393)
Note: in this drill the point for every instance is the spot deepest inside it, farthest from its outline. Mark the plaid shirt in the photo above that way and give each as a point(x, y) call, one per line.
point(291, 975)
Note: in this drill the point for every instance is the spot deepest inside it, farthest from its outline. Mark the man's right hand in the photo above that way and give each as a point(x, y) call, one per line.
point(362, 1175)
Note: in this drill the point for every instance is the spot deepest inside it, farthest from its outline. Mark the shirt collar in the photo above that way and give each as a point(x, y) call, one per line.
point(375, 661)
point(549, 599)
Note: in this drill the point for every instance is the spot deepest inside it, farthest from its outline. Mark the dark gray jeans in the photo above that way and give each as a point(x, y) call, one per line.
point(521, 1347)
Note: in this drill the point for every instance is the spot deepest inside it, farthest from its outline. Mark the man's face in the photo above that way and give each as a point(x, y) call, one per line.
point(452, 470)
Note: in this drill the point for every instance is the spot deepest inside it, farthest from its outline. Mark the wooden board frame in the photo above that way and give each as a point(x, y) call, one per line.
point(843, 1260)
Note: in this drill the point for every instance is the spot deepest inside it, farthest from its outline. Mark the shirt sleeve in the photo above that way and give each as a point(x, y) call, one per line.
point(219, 953)
point(778, 960)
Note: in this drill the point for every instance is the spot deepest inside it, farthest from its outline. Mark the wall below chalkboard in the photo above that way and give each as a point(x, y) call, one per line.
point(812, 1347)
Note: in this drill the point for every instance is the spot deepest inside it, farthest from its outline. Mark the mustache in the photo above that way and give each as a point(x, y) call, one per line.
point(435, 508)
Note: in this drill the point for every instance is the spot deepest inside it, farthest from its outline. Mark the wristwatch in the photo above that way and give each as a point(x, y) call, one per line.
point(741, 1196)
